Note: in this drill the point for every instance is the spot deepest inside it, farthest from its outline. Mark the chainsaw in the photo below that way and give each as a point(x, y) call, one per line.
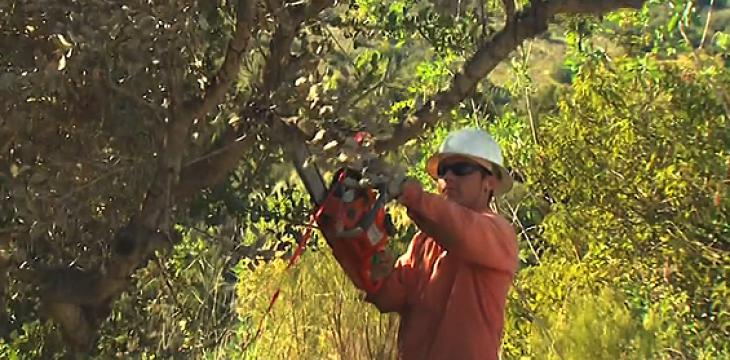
point(350, 214)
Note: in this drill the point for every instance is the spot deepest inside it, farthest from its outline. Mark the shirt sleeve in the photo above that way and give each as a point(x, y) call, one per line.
point(485, 239)
point(393, 293)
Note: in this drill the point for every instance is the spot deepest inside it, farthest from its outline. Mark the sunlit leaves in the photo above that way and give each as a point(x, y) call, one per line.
point(628, 173)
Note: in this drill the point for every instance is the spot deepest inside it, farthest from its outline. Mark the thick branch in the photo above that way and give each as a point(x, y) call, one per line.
point(528, 23)
point(176, 139)
point(216, 165)
point(279, 55)
point(289, 22)
point(228, 72)
point(213, 167)
point(509, 10)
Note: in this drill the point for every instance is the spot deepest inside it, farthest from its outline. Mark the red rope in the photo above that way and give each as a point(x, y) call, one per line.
point(292, 261)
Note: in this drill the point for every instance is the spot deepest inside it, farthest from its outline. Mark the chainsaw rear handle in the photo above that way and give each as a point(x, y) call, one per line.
point(370, 286)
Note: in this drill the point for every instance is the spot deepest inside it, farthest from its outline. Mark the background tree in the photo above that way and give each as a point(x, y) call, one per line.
point(158, 131)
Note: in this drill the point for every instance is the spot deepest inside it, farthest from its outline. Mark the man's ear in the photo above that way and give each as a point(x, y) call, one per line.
point(489, 183)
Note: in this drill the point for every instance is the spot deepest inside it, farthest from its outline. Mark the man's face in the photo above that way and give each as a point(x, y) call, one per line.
point(462, 181)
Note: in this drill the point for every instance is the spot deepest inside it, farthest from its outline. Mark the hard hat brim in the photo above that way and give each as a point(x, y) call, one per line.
point(505, 180)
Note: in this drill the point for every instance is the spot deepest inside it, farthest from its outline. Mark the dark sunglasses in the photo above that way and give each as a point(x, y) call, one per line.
point(461, 169)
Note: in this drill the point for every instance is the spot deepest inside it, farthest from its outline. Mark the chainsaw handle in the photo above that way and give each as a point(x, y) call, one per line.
point(369, 285)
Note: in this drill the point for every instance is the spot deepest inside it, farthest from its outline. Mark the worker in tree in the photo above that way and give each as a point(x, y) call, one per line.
point(451, 285)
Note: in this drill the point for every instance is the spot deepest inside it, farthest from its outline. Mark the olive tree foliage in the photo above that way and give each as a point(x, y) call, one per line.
point(116, 117)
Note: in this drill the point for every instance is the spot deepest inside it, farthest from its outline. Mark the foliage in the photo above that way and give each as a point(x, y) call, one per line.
point(634, 182)
point(623, 149)
point(594, 326)
point(318, 314)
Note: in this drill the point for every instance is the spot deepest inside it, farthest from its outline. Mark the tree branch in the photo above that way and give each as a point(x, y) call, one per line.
point(176, 139)
point(212, 168)
point(290, 20)
point(79, 300)
point(528, 23)
point(228, 71)
point(509, 10)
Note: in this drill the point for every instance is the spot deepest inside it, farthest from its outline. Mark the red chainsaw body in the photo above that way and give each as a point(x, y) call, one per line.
point(354, 244)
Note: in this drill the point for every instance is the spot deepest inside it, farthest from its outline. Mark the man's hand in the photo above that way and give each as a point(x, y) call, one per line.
point(395, 185)
point(383, 263)
point(398, 184)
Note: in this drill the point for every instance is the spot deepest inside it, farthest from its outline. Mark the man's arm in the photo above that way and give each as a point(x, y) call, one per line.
point(393, 294)
point(486, 239)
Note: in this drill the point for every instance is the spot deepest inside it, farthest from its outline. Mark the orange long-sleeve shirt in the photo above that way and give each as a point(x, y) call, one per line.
point(450, 286)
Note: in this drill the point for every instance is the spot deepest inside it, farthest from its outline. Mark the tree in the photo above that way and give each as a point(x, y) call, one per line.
point(116, 117)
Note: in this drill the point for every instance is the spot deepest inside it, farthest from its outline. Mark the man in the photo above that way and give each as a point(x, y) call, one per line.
point(450, 286)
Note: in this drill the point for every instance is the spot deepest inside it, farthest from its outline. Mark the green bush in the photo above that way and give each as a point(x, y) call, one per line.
point(633, 169)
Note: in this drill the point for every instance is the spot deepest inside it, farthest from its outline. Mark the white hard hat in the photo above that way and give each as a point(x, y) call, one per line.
point(477, 145)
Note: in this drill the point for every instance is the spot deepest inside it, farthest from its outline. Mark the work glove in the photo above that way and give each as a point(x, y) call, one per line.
point(395, 185)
